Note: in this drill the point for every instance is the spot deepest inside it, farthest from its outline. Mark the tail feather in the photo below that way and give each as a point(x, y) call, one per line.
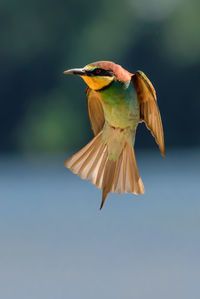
point(116, 176)
point(76, 162)
point(97, 177)
point(137, 184)
point(84, 170)
point(97, 160)
point(107, 179)
point(116, 179)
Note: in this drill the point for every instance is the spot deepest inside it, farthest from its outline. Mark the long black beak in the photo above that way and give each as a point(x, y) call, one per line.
point(79, 72)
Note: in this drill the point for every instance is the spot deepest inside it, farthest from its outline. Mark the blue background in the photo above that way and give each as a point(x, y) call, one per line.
point(55, 243)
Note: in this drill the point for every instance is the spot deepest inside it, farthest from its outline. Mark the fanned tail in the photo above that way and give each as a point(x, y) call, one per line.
point(117, 176)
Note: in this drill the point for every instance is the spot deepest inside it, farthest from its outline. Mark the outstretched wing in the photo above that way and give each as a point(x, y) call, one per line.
point(95, 111)
point(149, 111)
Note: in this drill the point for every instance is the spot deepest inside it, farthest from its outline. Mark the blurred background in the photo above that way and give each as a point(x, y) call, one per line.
point(54, 243)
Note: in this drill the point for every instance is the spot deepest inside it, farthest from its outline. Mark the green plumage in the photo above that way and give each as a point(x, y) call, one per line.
point(120, 105)
point(121, 111)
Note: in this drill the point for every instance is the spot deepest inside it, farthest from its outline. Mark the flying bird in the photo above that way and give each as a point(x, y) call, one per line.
point(117, 102)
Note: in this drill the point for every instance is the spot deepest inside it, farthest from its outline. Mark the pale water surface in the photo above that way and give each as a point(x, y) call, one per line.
point(56, 244)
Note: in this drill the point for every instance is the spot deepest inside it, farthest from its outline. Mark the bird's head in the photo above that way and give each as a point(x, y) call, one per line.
point(98, 75)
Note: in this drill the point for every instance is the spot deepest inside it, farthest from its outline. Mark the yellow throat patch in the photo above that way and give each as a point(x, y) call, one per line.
point(96, 83)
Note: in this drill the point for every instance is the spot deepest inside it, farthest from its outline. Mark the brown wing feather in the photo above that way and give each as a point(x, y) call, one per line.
point(95, 111)
point(149, 111)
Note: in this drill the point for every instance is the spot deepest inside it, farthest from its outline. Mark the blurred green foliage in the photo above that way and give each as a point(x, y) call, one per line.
point(42, 110)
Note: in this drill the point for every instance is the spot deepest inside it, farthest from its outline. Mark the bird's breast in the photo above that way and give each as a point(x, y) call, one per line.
point(120, 105)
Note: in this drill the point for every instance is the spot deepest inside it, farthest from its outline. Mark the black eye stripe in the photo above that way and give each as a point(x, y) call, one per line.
point(99, 72)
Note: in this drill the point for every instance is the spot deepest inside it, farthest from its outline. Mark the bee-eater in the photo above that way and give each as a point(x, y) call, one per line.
point(117, 101)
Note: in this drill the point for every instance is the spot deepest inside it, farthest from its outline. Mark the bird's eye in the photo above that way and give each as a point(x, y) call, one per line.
point(97, 71)
point(100, 72)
